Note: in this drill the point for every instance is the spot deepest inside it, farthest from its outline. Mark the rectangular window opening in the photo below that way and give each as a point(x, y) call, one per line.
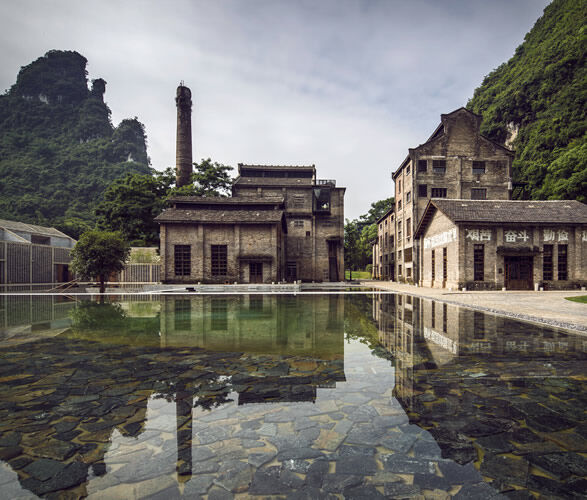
point(478, 194)
point(423, 190)
point(547, 267)
point(422, 165)
point(562, 263)
point(182, 260)
point(219, 254)
point(439, 166)
point(478, 262)
point(438, 193)
point(478, 167)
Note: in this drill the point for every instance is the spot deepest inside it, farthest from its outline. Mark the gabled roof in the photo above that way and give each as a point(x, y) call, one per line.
point(311, 168)
point(31, 229)
point(506, 212)
point(386, 214)
point(273, 181)
point(218, 216)
point(439, 131)
point(219, 200)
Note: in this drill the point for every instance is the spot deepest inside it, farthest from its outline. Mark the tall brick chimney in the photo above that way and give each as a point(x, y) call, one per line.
point(183, 144)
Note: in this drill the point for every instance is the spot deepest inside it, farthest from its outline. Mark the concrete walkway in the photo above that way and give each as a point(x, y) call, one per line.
point(550, 308)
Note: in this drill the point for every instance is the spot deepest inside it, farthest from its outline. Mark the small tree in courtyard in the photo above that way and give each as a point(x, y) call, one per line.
point(98, 254)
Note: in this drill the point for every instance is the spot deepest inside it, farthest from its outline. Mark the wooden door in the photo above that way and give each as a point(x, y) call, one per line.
point(256, 272)
point(518, 272)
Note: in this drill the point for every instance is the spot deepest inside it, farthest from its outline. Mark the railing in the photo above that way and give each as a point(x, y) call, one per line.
point(325, 182)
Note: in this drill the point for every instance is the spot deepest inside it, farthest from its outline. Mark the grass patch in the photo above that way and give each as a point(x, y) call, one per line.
point(582, 299)
point(358, 275)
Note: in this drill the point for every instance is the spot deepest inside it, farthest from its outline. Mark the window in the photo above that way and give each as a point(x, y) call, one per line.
point(408, 197)
point(423, 190)
point(433, 268)
point(408, 255)
point(298, 223)
point(182, 260)
point(399, 187)
point(439, 166)
point(422, 165)
point(399, 205)
point(409, 228)
point(478, 167)
point(438, 193)
point(562, 263)
point(399, 270)
point(478, 325)
point(408, 170)
point(183, 312)
point(219, 260)
point(219, 312)
point(433, 324)
point(478, 262)
point(478, 194)
point(444, 317)
point(547, 274)
point(444, 264)
point(298, 200)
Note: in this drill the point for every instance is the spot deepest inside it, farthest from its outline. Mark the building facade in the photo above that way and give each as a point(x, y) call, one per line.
point(455, 162)
point(281, 224)
point(491, 244)
point(384, 247)
point(31, 254)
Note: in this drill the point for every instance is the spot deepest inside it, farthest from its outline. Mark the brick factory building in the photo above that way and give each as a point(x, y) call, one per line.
point(493, 244)
point(281, 224)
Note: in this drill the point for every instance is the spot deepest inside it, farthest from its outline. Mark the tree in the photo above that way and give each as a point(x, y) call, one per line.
point(378, 208)
point(131, 204)
point(99, 254)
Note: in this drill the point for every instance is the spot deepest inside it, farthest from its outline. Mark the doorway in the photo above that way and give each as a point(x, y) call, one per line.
point(292, 271)
point(332, 261)
point(518, 272)
point(255, 272)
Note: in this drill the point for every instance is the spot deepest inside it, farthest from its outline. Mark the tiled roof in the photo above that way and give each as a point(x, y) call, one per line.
point(559, 211)
point(278, 167)
point(234, 200)
point(219, 216)
point(272, 181)
point(31, 228)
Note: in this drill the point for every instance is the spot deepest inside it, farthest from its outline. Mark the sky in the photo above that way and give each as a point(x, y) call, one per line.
point(346, 85)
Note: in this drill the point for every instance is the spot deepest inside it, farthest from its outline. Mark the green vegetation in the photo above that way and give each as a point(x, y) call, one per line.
point(582, 299)
point(359, 235)
point(58, 148)
point(131, 204)
point(540, 93)
point(357, 275)
point(99, 254)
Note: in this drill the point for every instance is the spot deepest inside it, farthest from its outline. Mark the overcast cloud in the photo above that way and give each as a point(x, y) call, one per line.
point(346, 85)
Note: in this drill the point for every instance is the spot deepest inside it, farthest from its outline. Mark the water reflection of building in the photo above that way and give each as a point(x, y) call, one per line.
point(486, 385)
point(98, 376)
point(23, 317)
point(286, 324)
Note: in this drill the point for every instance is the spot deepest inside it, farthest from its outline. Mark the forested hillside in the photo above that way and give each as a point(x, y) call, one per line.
point(537, 99)
point(58, 148)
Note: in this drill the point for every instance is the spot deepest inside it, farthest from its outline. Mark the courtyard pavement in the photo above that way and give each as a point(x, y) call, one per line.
point(548, 307)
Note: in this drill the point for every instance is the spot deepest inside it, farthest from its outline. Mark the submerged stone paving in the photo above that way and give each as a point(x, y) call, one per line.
point(81, 417)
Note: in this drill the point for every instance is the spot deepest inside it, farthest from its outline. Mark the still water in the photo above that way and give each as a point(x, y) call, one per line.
point(289, 396)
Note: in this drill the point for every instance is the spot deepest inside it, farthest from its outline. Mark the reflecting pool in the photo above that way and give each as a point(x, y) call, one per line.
point(366, 395)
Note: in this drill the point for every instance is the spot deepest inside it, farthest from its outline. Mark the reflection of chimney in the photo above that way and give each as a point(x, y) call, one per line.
point(184, 422)
point(183, 144)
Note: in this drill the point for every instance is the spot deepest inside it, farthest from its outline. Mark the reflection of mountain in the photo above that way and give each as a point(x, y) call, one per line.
point(507, 394)
point(63, 397)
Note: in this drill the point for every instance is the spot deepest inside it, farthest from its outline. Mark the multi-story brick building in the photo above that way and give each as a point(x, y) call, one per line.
point(384, 247)
point(455, 162)
point(281, 224)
